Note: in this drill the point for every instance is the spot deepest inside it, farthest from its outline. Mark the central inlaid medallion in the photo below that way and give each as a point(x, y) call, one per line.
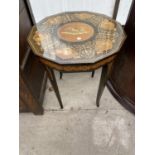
point(75, 32)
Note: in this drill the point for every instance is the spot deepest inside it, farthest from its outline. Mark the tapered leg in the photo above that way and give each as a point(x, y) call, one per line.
point(52, 79)
point(61, 74)
point(110, 67)
point(93, 72)
point(103, 80)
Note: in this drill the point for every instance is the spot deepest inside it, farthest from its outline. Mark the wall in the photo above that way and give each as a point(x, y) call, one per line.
point(43, 8)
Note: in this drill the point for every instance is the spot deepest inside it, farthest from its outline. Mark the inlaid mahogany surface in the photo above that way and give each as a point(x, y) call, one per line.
point(75, 32)
point(76, 37)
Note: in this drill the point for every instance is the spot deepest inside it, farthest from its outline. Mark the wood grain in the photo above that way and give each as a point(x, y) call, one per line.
point(78, 67)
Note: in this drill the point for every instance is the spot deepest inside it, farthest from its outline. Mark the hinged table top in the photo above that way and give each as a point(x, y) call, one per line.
point(76, 37)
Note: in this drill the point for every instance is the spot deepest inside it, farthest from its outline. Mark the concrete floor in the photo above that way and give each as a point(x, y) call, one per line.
point(81, 128)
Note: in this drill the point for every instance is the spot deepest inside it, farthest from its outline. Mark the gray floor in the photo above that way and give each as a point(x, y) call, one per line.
point(81, 128)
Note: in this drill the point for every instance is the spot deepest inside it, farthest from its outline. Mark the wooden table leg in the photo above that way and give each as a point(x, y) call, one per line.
point(103, 80)
point(61, 74)
point(52, 79)
point(93, 72)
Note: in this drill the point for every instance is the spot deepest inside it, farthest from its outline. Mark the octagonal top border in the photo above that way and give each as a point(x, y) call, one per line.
point(122, 36)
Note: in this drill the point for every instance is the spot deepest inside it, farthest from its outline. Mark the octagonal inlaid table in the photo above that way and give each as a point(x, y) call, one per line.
point(76, 41)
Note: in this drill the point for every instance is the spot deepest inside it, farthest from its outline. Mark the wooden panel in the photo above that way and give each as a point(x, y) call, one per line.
point(27, 101)
point(31, 91)
point(34, 73)
point(21, 5)
point(122, 80)
point(24, 28)
point(22, 106)
point(124, 73)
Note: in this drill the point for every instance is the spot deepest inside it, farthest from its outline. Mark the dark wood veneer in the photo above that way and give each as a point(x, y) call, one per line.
point(33, 79)
point(77, 67)
point(27, 102)
point(122, 79)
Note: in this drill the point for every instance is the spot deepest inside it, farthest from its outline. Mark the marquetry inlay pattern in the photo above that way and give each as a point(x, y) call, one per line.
point(76, 37)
